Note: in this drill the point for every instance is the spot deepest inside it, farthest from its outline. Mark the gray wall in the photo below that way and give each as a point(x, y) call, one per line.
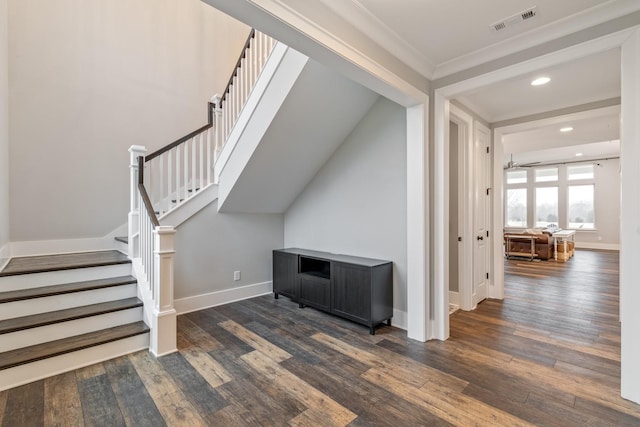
point(90, 78)
point(4, 126)
point(210, 246)
point(357, 203)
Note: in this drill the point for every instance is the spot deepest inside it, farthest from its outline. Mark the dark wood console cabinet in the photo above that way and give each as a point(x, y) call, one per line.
point(355, 288)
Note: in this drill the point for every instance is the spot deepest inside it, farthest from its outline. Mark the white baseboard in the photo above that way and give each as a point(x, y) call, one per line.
point(399, 319)
point(600, 246)
point(226, 296)
point(454, 298)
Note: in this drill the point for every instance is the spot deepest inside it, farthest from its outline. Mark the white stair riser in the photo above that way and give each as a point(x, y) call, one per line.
point(36, 280)
point(28, 307)
point(30, 372)
point(122, 247)
point(67, 329)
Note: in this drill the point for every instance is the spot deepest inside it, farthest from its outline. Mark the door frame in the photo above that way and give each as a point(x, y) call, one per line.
point(465, 205)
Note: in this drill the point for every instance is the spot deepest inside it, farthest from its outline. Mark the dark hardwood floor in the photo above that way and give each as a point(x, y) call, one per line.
point(549, 354)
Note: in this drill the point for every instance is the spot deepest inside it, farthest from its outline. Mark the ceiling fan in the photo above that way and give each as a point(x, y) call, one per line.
point(513, 165)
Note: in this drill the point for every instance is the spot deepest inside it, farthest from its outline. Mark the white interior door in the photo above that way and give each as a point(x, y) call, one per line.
point(481, 222)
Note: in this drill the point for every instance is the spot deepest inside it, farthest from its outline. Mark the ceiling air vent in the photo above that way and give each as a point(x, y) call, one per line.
point(515, 19)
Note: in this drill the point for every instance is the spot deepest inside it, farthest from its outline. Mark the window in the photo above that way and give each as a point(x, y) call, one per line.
point(581, 206)
point(579, 172)
point(517, 177)
point(546, 206)
point(546, 175)
point(517, 207)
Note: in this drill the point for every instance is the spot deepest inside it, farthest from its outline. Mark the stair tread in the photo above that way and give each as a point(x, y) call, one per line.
point(44, 263)
point(42, 319)
point(45, 291)
point(123, 239)
point(37, 352)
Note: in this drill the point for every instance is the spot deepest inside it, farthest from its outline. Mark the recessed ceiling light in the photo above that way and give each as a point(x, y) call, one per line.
point(540, 81)
point(578, 154)
point(566, 129)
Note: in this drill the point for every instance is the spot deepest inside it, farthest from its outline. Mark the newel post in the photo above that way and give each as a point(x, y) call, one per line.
point(163, 319)
point(135, 151)
point(216, 100)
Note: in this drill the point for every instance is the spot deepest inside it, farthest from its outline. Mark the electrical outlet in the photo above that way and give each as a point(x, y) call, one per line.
point(236, 275)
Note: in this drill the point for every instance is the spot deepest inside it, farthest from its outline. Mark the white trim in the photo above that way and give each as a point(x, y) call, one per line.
point(190, 207)
point(496, 286)
point(465, 174)
point(601, 44)
point(630, 218)
point(546, 33)
point(440, 223)
point(261, 85)
point(417, 223)
point(454, 298)
point(339, 47)
point(368, 23)
point(225, 296)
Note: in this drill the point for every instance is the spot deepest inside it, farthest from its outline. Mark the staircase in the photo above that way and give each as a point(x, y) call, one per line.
point(61, 312)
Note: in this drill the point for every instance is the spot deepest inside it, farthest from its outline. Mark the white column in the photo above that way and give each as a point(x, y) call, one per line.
point(439, 223)
point(417, 217)
point(135, 151)
point(163, 338)
point(630, 219)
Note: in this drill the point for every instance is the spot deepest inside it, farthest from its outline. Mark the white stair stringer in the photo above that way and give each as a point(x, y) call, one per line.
point(56, 331)
point(190, 207)
point(296, 117)
point(23, 374)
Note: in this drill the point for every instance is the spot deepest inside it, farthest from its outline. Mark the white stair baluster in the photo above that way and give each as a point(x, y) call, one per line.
point(193, 165)
point(185, 165)
point(169, 177)
point(201, 159)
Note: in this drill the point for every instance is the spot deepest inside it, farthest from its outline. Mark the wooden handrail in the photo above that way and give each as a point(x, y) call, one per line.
point(185, 138)
point(252, 34)
point(148, 206)
point(144, 195)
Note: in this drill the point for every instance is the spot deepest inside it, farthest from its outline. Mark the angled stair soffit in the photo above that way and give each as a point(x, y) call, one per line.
point(268, 169)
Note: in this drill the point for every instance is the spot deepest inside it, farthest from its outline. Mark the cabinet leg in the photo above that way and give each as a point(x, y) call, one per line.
point(372, 330)
point(275, 295)
point(300, 305)
point(389, 322)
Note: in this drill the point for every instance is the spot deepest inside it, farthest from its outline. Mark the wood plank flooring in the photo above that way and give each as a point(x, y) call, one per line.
point(549, 354)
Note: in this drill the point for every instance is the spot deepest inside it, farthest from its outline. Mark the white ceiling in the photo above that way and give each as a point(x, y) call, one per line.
point(589, 79)
point(437, 37)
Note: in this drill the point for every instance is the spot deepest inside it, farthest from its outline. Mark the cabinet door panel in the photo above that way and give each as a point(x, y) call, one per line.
point(351, 292)
point(285, 274)
point(314, 291)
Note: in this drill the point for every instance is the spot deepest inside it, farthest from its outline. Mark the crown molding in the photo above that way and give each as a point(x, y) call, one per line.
point(588, 18)
point(314, 31)
point(370, 25)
